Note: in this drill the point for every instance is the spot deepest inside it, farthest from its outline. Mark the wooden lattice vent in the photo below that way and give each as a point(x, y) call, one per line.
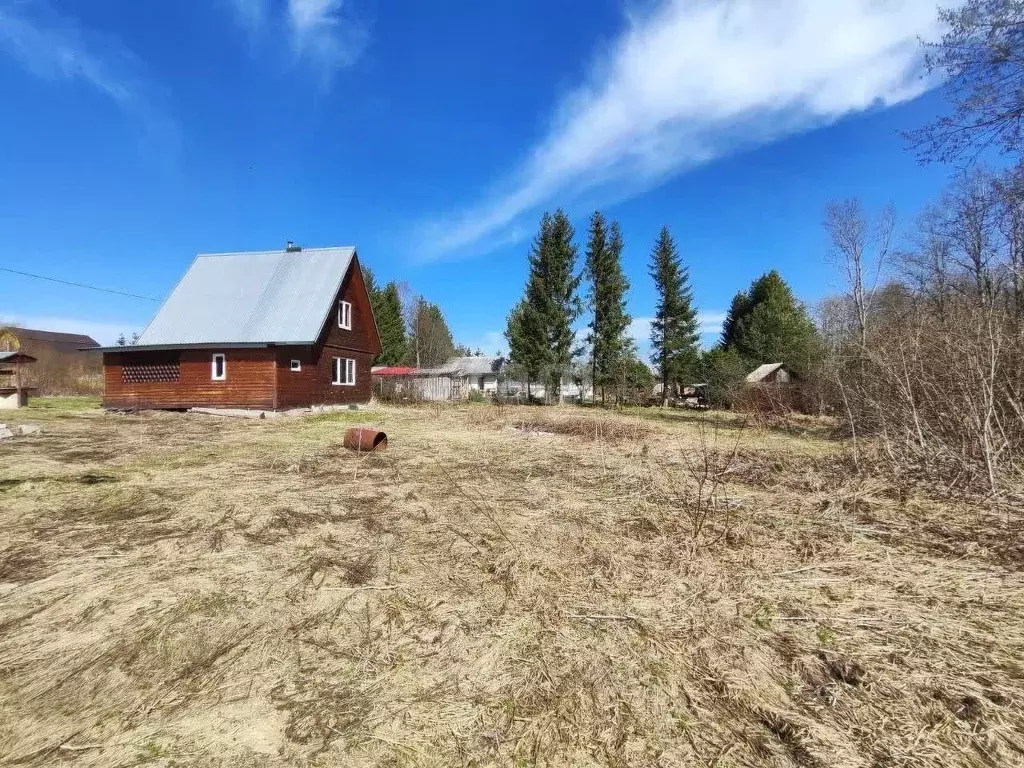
point(150, 373)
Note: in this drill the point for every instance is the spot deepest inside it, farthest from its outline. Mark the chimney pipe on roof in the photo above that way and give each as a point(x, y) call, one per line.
point(291, 247)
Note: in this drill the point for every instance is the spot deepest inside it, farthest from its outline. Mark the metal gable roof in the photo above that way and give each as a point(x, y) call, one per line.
point(763, 371)
point(261, 297)
point(473, 365)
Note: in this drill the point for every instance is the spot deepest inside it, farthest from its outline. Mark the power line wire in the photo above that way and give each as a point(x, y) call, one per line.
point(77, 285)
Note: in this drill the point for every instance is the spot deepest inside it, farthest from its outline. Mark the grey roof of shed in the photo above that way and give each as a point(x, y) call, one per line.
point(474, 365)
point(255, 297)
point(763, 371)
point(17, 357)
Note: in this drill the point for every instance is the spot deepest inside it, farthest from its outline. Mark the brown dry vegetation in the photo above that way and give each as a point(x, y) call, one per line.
point(503, 586)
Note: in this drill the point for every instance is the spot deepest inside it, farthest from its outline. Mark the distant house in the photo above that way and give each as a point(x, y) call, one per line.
point(453, 380)
point(769, 373)
point(66, 363)
point(34, 342)
point(471, 373)
point(266, 330)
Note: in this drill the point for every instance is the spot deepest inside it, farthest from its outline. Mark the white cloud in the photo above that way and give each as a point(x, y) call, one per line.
point(711, 322)
point(56, 47)
point(709, 325)
point(697, 79)
point(323, 32)
point(251, 14)
point(104, 332)
point(490, 342)
point(640, 331)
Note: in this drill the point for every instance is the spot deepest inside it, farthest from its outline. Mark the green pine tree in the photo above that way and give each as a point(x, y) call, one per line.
point(674, 338)
point(551, 304)
point(594, 265)
point(607, 298)
point(775, 327)
point(738, 309)
point(390, 326)
point(431, 343)
point(526, 347)
point(563, 304)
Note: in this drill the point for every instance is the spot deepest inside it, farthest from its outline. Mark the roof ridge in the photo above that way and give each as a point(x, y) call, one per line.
point(276, 251)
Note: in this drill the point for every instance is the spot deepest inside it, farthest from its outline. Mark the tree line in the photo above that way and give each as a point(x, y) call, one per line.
point(413, 331)
point(766, 323)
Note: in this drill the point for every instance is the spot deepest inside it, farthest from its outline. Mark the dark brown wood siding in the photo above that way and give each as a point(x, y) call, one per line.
point(249, 381)
point(363, 336)
point(312, 384)
point(258, 378)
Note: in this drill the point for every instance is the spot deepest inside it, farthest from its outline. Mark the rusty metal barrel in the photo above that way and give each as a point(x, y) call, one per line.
point(365, 439)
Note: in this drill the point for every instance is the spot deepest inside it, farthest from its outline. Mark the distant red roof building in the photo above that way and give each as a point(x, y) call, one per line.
point(392, 370)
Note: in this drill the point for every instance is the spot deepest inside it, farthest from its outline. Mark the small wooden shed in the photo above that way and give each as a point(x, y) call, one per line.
point(13, 391)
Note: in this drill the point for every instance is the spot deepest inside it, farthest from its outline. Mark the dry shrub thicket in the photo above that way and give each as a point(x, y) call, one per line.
point(932, 362)
point(504, 586)
point(66, 373)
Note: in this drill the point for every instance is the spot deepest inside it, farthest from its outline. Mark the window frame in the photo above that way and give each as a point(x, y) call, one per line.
point(345, 315)
point(341, 367)
point(295, 365)
point(223, 364)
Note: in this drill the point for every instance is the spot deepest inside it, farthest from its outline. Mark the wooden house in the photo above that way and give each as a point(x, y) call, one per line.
point(35, 342)
point(267, 330)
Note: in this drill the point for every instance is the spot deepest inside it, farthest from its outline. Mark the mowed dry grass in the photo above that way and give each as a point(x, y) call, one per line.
point(503, 586)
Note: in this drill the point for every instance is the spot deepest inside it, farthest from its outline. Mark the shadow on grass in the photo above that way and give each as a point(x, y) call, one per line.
point(64, 403)
point(732, 421)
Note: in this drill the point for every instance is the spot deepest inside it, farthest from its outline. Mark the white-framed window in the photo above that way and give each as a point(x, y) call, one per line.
point(218, 367)
point(343, 371)
point(345, 315)
point(296, 365)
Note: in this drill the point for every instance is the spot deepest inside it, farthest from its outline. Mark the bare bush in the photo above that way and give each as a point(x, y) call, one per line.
point(933, 370)
point(66, 373)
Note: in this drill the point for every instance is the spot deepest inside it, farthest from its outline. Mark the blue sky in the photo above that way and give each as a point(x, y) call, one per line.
point(137, 134)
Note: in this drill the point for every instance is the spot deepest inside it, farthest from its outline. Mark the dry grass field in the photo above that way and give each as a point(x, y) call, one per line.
point(503, 586)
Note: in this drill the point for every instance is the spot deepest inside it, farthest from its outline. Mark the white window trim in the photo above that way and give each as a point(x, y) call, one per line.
point(343, 366)
point(213, 367)
point(295, 365)
point(345, 315)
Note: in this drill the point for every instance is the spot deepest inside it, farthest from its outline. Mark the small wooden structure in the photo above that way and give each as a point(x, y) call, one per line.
point(13, 392)
point(769, 373)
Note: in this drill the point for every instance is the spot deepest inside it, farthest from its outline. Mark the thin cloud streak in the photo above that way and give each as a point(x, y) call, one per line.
point(709, 325)
point(56, 48)
point(252, 14)
point(324, 32)
point(699, 79)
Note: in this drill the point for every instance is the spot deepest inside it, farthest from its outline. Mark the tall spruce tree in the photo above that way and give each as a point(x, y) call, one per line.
point(526, 347)
point(674, 338)
point(776, 328)
point(431, 343)
point(551, 301)
point(607, 298)
point(738, 309)
point(390, 326)
point(563, 304)
point(766, 324)
point(595, 262)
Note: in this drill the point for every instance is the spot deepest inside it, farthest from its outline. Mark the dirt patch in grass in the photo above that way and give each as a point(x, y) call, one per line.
point(622, 591)
point(583, 427)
